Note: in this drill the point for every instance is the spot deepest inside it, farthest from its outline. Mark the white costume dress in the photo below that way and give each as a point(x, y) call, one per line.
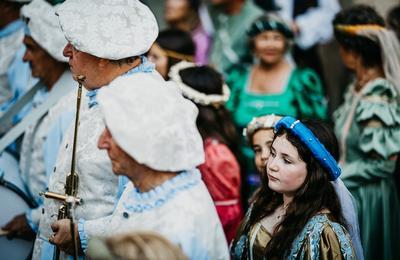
point(33, 157)
point(181, 209)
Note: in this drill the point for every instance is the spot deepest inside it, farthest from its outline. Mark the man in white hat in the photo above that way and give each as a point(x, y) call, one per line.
point(15, 75)
point(152, 138)
point(44, 42)
point(107, 40)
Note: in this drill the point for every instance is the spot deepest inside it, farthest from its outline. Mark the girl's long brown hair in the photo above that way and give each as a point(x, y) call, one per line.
point(316, 194)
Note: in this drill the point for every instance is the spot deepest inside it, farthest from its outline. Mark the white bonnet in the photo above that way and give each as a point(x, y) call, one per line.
point(110, 29)
point(44, 28)
point(152, 122)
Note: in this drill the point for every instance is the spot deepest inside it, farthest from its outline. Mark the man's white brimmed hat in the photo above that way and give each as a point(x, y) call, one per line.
point(110, 29)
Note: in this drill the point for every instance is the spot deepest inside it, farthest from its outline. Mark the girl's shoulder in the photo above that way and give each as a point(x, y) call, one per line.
point(319, 233)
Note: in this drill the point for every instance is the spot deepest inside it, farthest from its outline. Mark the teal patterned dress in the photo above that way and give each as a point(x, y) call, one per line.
point(368, 128)
point(321, 238)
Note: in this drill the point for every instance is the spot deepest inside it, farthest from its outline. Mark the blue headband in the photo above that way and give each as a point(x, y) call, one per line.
point(317, 149)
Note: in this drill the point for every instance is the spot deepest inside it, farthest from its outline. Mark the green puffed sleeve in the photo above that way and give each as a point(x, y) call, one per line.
point(378, 118)
point(378, 115)
point(309, 95)
point(236, 80)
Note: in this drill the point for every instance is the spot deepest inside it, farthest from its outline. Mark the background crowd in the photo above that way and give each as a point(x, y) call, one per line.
point(251, 68)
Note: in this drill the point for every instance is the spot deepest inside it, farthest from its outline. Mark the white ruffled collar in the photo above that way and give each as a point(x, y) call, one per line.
point(140, 202)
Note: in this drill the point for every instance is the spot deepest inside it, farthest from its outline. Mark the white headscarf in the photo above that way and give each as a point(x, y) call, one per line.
point(110, 29)
point(390, 52)
point(152, 122)
point(44, 28)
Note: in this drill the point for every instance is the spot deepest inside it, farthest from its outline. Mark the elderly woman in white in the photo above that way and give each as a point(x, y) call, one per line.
point(151, 137)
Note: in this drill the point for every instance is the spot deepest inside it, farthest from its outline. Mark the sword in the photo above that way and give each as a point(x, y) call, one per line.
point(70, 199)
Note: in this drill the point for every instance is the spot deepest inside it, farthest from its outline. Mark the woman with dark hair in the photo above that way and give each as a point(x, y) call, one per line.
point(171, 47)
point(184, 15)
point(368, 126)
point(221, 170)
point(272, 85)
point(297, 213)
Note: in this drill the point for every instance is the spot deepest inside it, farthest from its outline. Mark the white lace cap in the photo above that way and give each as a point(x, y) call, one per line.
point(44, 28)
point(261, 122)
point(110, 29)
point(151, 121)
point(192, 94)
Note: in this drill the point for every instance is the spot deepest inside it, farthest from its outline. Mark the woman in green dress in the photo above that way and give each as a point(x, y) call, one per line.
point(368, 127)
point(297, 213)
point(273, 85)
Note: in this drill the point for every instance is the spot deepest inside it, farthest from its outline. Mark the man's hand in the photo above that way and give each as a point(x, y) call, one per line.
point(18, 227)
point(62, 236)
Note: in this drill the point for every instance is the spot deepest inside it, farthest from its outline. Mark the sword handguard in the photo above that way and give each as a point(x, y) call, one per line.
point(61, 197)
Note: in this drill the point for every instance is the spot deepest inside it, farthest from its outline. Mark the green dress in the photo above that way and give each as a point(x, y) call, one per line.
point(302, 98)
point(368, 128)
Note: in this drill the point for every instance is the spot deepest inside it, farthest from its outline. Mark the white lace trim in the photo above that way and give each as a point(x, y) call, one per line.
point(192, 94)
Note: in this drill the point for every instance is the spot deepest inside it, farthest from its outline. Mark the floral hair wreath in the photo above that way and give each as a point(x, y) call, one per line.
point(194, 95)
point(261, 122)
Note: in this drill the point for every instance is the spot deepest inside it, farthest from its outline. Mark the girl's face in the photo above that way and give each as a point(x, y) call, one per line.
point(157, 56)
point(262, 140)
point(270, 46)
point(286, 171)
point(176, 10)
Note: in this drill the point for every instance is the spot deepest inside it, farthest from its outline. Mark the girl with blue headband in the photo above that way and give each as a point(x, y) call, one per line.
point(297, 213)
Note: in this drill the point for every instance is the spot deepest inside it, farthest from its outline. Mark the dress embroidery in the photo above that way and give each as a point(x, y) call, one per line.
point(313, 231)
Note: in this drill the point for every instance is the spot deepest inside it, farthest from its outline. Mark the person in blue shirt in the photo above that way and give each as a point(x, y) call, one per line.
point(15, 75)
point(44, 43)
